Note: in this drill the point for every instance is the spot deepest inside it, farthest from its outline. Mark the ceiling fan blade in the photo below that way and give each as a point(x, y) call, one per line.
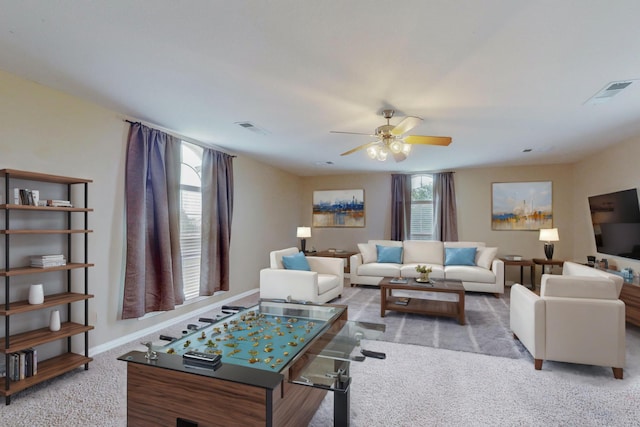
point(399, 157)
point(406, 125)
point(428, 140)
point(361, 147)
point(352, 133)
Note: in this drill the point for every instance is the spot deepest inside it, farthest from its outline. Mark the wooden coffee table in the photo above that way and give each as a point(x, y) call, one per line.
point(424, 305)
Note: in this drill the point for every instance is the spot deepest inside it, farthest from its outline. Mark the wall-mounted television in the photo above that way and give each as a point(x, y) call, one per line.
point(616, 223)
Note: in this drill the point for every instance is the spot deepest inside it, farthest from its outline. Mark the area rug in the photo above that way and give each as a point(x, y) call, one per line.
point(423, 386)
point(486, 330)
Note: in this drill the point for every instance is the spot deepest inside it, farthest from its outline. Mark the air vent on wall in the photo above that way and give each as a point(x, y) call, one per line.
point(253, 128)
point(609, 91)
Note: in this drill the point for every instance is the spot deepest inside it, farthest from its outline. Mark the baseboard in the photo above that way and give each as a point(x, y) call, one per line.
point(146, 331)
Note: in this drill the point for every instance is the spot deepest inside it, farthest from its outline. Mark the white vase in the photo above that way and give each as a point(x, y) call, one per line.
point(36, 294)
point(54, 322)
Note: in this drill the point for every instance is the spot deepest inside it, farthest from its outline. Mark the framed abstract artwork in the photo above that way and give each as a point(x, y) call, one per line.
point(521, 205)
point(338, 208)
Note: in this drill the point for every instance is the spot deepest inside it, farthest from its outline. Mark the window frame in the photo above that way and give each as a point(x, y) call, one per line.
point(191, 269)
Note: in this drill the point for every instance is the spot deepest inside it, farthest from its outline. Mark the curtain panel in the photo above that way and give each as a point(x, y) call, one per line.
point(153, 276)
point(400, 206)
point(217, 212)
point(445, 218)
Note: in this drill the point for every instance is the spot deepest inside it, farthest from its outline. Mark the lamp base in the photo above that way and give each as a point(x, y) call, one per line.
point(303, 245)
point(548, 250)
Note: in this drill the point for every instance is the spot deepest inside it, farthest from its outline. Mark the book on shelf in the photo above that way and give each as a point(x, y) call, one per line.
point(43, 261)
point(403, 301)
point(399, 280)
point(24, 196)
point(49, 256)
point(22, 364)
point(513, 257)
point(59, 203)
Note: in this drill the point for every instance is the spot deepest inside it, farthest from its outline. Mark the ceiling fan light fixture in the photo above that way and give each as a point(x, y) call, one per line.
point(396, 146)
point(372, 152)
point(382, 154)
point(406, 149)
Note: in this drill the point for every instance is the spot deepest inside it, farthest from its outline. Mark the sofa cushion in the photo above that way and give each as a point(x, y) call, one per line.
point(377, 269)
point(392, 254)
point(275, 257)
point(460, 256)
point(409, 270)
point(385, 242)
point(578, 287)
point(296, 262)
point(464, 244)
point(368, 251)
point(423, 252)
point(574, 269)
point(469, 274)
point(485, 256)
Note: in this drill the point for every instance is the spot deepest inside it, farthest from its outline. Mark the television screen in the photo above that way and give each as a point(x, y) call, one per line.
point(616, 223)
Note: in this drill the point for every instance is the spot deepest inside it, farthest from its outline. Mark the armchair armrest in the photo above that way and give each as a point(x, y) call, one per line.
point(497, 266)
point(553, 285)
point(326, 265)
point(527, 319)
point(354, 262)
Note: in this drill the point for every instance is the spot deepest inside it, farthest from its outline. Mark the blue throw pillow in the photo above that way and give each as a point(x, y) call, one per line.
point(296, 262)
point(460, 256)
point(391, 254)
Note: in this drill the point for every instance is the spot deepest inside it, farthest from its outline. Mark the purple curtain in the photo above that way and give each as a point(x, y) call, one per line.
point(153, 277)
point(400, 206)
point(217, 211)
point(445, 219)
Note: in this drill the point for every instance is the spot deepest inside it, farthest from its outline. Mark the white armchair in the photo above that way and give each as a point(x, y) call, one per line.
point(322, 284)
point(577, 318)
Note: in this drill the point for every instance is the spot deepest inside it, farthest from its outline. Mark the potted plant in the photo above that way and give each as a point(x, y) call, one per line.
point(424, 272)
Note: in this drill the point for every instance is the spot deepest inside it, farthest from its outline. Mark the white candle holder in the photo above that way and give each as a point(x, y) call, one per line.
point(36, 294)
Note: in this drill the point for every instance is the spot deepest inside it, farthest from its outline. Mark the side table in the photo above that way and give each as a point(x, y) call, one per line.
point(547, 262)
point(338, 254)
point(523, 263)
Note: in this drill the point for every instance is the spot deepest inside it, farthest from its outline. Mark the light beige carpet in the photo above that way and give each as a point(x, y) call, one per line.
point(415, 385)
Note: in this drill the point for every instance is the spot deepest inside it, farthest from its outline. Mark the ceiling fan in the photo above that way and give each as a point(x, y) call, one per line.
point(392, 139)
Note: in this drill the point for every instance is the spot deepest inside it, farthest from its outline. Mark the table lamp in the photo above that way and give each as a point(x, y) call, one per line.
point(303, 233)
point(549, 235)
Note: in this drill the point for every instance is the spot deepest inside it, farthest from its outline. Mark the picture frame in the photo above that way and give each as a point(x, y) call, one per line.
point(521, 205)
point(338, 208)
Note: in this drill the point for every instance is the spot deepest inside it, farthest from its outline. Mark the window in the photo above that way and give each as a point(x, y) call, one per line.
point(421, 207)
point(190, 218)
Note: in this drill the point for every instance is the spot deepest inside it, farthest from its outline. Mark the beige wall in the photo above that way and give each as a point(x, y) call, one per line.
point(47, 131)
point(377, 200)
point(613, 169)
point(473, 194)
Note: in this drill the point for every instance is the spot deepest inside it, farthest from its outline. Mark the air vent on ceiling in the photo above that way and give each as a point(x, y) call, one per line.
point(253, 128)
point(609, 91)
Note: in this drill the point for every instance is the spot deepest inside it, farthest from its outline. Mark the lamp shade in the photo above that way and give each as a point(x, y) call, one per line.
point(303, 232)
point(549, 235)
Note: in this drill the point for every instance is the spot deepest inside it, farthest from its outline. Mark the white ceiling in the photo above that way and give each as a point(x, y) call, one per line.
point(498, 76)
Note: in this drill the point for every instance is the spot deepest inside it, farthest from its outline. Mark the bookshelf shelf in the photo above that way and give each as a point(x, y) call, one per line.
point(25, 341)
point(47, 370)
point(44, 231)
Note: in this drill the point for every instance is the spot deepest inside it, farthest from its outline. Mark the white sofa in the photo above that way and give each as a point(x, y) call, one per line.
point(322, 284)
point(487, 275)
point(578, 318)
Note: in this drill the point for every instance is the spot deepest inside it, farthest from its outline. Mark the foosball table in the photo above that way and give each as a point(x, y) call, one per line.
point(267, 365)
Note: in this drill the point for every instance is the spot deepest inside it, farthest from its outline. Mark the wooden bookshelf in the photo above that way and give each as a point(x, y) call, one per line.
point(13, 343)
